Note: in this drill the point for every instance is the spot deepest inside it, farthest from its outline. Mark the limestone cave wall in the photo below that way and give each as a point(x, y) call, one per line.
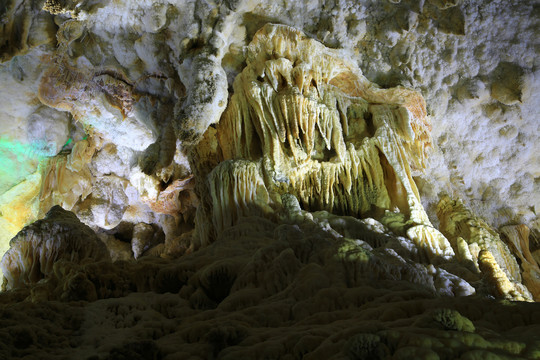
point(248, 179)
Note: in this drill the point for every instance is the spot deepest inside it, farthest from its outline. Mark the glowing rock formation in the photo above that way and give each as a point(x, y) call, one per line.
point(18, 207)
point(308, 123)
point(315, 242)
point(498, 280)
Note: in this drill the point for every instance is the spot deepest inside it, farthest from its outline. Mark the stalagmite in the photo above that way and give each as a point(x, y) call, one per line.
point(498, 280)
point(60, 236)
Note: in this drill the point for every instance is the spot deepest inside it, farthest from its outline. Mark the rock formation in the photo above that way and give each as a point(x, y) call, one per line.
point(36, 249)
point(239, 179)
point(314, 127)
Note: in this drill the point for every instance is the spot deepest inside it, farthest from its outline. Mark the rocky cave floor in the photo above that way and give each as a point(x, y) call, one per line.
point(263, 290)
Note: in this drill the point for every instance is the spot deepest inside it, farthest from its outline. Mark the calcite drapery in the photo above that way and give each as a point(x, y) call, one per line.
point(316, 128)
point(484, 247)
point(518, 239)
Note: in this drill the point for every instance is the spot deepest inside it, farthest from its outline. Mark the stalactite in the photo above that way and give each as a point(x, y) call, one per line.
point(325, 133)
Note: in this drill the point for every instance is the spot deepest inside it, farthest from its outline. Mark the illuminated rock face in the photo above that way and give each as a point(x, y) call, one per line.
point(99, 100)
point(307, 123)
point(323, 131)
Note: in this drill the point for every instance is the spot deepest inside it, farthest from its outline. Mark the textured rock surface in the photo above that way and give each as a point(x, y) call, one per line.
point(266, 290)
point(60, 236)
point(269, 179)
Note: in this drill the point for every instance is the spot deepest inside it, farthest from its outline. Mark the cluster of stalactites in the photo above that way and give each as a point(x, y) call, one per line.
point(323, 130)
point(350, 186)
point(286, 122)
point(302, 85)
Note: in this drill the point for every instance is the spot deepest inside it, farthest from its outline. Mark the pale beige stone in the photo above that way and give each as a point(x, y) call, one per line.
point(67, 178)
point(499, 282)
point(457, 221)
point(312, 125)
point(518, 239)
